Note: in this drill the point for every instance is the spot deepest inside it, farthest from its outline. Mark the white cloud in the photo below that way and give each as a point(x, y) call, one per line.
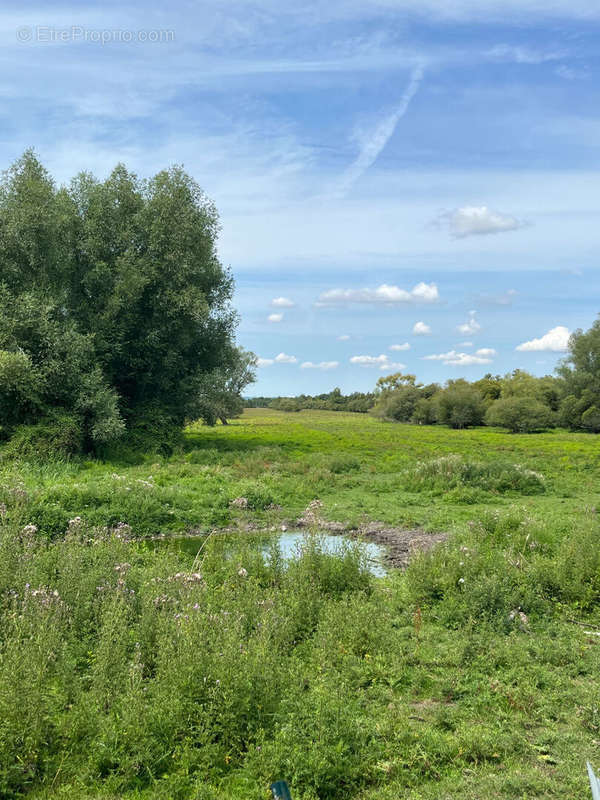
point(283, 358)
point(382, 361)
point(370, 361)
point(265, 362)
point(275, 317)
point(478, 220)
point(421, 329)
point(282, 302)
point(471, 326)
point(343, 338)
point(399, 347)
point(323, 365)
point(556, 341)
point(384, 294)
point(486, 352)
point(393, 365)
point(455, 359)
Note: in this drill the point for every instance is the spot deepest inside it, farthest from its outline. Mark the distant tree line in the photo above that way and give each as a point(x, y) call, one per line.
point(360, 402)
point(519, 401)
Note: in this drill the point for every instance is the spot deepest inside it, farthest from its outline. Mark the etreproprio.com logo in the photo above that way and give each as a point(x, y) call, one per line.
point(47, 34)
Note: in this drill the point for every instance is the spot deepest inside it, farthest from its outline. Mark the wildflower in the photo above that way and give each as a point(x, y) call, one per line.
point(243, 573)
point(516, 615)
point(30, 529)
point(3, 510)
point(239, 502)
point(461, 580)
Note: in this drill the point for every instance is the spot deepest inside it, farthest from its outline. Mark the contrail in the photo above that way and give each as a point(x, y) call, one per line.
point(380, 136)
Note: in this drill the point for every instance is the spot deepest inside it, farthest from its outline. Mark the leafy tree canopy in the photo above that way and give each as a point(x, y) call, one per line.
point(113, 303)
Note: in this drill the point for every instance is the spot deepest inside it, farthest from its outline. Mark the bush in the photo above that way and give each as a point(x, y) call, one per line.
point(258, 495)
point(450, 472)
point(54, 437)
point(460, 406)
point(519, 414)
point(590, 419)
point(341, 465)
point(424, 412)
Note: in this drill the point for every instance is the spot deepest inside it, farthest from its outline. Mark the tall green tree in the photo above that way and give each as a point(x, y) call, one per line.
point(113, 303)
point(580, 372)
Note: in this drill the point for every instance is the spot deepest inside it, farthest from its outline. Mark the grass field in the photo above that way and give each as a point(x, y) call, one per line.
point(130, 672)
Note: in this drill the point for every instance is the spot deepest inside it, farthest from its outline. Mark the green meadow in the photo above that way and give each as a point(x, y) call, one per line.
point(145, 672)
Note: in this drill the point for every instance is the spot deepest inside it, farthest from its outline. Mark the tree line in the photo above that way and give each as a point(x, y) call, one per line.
point(518, 400)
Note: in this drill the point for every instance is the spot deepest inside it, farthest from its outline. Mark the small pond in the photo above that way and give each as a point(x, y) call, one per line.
point(290, 544)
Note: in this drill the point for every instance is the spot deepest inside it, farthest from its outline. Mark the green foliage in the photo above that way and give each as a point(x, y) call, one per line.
point(258, 495)
point(358, 402)
point(590, 419)
point(220, 395)
point(289, 404)
point(425, 412)
point(520, 414)
point(460, 405)
point(157, 672)
point(113, 302)
point(398, 404)
point(19, 388)
point(450, 472)
point(580, 372)
point(56, 436)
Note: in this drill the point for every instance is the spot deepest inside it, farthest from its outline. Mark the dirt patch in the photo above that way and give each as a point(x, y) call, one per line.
point(399, 544)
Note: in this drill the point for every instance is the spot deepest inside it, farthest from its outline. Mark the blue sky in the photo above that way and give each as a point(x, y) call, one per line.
point(378, 165)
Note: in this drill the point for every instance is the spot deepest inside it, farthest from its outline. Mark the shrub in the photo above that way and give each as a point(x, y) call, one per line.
point(450, 472)
point(460, 406)
point(58, 435)
point(341, 465)
point(520, 414)
point(590, 419)
point(258, 495)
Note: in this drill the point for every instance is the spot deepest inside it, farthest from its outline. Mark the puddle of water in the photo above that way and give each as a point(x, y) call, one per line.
point(290, 544)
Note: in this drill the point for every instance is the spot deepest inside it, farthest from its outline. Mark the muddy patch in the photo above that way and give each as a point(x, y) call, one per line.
point(399, 544)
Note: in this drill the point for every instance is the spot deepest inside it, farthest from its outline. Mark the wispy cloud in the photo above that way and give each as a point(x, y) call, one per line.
point(471, 326)
point(399, 347)
point(282, 302)
point(275, 318)
point(322, 365)
point(457, 359)
point(377, 139)
point(382, 361)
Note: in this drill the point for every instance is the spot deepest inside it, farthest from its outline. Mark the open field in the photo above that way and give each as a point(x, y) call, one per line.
point(359, 467)
point(132, 672)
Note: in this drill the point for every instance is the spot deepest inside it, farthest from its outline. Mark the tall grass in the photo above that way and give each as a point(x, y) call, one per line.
point(454, 471)
point(131, 671)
